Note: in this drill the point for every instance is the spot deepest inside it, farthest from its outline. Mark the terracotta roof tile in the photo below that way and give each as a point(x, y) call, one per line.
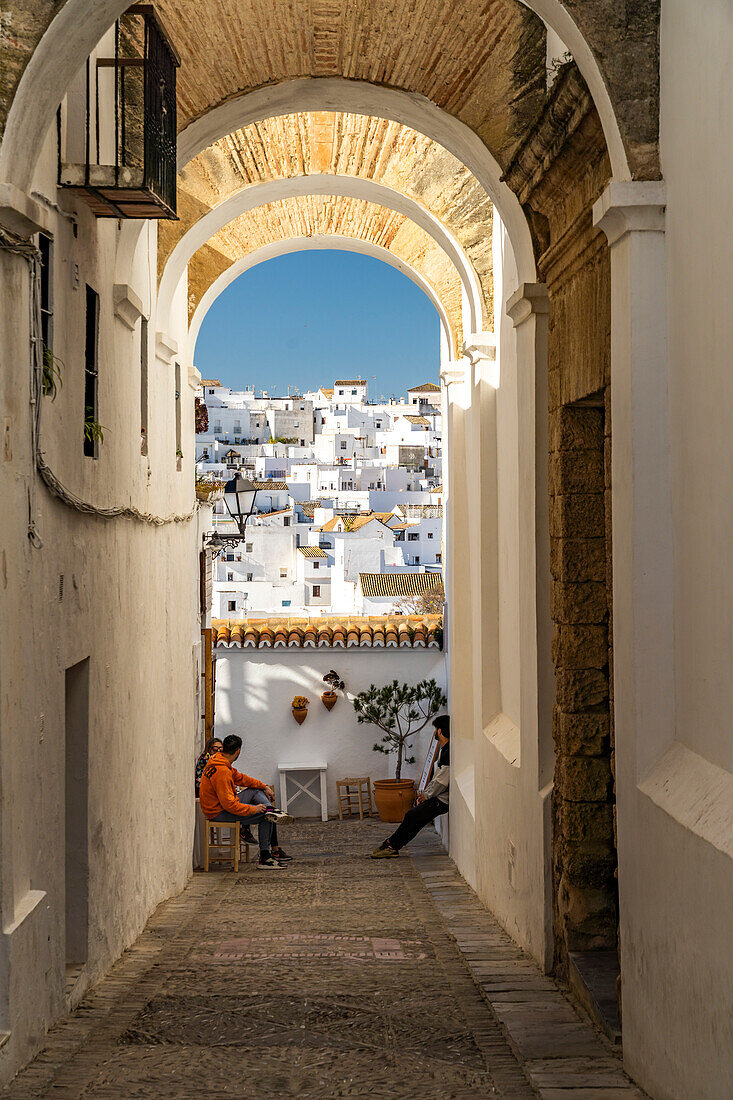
point(427, 387)
point(210, 382)
point(399, 584)
point(350, 382)
point(312, 552)
point(353, 632)
point(418, 420)
point(309, 506)
point(354, 523)
point(273, 485)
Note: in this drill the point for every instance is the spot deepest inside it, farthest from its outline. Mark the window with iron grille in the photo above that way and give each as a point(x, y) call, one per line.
point(91, 350)
point(45, 247)
point(316, 589)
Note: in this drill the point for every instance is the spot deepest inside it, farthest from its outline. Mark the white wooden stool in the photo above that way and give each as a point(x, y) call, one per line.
point(286, 772)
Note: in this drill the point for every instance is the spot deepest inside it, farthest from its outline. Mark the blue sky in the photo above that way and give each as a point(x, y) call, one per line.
point(308, 318)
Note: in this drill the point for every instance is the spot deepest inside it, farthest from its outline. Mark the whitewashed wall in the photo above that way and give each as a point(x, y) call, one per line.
point(118, 592)
point(254, 690)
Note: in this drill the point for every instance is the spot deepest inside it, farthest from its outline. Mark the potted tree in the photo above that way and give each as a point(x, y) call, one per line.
point(400, 711)
point(335, 683)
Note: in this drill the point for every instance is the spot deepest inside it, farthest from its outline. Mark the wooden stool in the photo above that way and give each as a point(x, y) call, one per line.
point(347, 799)
point(215, 841)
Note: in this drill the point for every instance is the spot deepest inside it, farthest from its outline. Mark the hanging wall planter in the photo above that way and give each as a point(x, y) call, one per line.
point(335, 683)
point(300, 709)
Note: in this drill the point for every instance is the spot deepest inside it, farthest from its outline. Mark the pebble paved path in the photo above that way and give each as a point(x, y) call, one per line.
point(335, 977)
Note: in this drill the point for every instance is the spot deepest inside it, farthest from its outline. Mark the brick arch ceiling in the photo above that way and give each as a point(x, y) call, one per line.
point(482, 61)
point(328, 215)
point(311, 143)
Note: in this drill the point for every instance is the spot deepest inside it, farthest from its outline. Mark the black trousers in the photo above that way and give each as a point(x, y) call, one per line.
point(415, 820)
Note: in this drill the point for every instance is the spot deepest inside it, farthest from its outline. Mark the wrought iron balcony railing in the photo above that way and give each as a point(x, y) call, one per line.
point(124, 105)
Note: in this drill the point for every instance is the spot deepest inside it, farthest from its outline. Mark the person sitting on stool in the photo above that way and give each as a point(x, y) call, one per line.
point(431, 803)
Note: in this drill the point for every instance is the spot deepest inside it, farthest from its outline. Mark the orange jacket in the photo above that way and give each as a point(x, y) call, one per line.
point(218, 788)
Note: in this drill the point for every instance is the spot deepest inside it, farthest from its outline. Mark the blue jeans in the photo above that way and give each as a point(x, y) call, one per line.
point(266, 830)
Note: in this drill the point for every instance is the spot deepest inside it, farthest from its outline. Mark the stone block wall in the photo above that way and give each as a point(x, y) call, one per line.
point(584, 855)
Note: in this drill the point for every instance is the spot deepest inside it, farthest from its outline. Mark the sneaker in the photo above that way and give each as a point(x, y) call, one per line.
point(268, 862)
point(248, 837)
point(384, 851)
point(282, 856)
point(277, 816)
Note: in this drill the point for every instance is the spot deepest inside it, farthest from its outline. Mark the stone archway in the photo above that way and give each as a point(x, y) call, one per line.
point(304, 244)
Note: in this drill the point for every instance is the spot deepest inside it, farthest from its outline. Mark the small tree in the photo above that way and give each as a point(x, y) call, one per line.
point(401, 711)
point(425, 603)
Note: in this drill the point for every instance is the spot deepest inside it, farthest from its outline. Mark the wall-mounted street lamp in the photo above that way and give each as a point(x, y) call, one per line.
point(239, 499)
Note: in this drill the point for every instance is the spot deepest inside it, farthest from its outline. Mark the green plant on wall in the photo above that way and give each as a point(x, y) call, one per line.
point(51, 378)
point(400, 711)
point(93, 430)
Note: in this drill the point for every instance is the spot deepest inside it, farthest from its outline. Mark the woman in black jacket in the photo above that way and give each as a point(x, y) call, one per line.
point(431, 803)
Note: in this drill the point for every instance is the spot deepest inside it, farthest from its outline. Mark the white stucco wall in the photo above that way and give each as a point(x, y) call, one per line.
point(129, 604)
point(499, 821)
point(676, 816)
point(254, 691)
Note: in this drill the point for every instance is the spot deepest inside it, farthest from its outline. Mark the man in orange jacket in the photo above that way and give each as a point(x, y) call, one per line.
point(219, 801)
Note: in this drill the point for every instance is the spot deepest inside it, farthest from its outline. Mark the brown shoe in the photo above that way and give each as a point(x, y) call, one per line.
point(385, 851)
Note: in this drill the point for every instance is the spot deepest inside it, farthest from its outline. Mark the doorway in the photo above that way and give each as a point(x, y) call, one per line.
point(77, 817)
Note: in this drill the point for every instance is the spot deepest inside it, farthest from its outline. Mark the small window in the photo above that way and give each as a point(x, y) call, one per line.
point(430, 534)
point(91, 345)
point(248, 547)
point(417, 559)
point(286, 521)
point(353, 393)
point(45, 247)
point(211, 391)
point(439, 557)
point(316, 589)
point(296, 423)
point(316, 565)
point(250, 576)
point(343, 444)
point(283, 572)
point(230, 576)
point(232, 605)
point(229, 556)
point(412, 537)
point(285, 603)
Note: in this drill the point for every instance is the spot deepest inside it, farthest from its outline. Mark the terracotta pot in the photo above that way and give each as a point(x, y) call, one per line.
point(300, 714)
point(393, 797)
point(329, 699)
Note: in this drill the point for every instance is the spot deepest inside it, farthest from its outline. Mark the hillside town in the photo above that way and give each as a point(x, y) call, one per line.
point(348, 514)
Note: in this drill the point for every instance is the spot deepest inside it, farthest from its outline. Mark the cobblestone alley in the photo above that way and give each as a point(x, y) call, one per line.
point(335, 977)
